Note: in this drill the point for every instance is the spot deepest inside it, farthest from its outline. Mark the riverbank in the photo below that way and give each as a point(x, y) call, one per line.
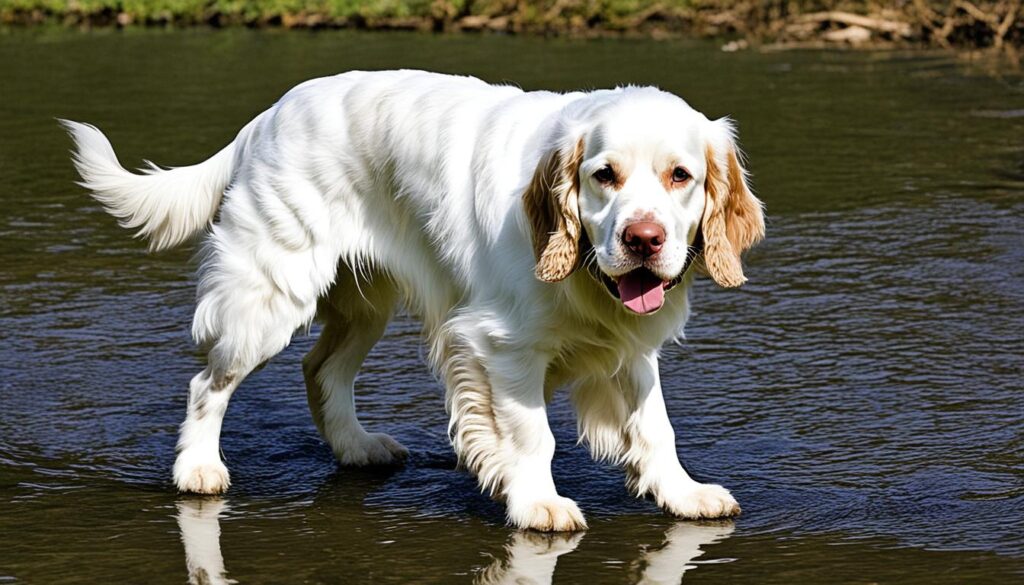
point(858, 23)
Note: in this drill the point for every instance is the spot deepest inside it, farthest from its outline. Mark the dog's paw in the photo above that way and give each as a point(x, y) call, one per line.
point(205, 478)
point(554, 514)
point(371, 449)
point(700, 500)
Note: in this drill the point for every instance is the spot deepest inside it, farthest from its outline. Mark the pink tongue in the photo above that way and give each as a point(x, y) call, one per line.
point(641, 291)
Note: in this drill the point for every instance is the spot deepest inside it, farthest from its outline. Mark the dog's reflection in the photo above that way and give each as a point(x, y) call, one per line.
point(531, 557)
point(199, 522)
point(682, 544)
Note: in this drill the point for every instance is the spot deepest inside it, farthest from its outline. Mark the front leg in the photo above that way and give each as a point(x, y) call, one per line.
point(499, 428)
point(623, 418)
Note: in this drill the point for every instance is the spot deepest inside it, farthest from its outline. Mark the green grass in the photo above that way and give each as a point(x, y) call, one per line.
point(202, 10)
point(192, 11)
point(771, 20)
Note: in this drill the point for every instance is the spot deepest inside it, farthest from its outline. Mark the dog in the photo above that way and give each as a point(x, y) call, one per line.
point(543, 239)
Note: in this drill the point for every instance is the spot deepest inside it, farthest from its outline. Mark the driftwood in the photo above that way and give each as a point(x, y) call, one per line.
point(894, 27)
point(962, 22)
point(1004, 26)
point(965, 15)
point(855, 35)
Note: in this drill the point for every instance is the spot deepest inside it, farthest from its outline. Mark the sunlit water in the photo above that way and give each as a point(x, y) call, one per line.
point(861, 396)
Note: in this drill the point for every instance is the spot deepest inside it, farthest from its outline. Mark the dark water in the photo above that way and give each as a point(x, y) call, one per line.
point(861, 396)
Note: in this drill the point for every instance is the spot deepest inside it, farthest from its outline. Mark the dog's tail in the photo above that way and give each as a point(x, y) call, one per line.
point(166, 205)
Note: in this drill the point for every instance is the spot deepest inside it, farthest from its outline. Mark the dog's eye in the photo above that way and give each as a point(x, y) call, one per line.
point(605, 174)
point(680, 175)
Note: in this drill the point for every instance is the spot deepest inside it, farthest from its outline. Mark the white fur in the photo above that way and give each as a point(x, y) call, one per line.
point(166, 205)
point(358, 193)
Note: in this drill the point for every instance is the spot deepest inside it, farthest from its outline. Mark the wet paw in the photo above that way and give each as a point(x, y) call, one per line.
point(556, 514)
point(701, 500)
point(372, 449)
point(207, 478)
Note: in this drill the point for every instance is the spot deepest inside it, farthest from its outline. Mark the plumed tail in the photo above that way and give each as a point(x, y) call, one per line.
point(167, 206)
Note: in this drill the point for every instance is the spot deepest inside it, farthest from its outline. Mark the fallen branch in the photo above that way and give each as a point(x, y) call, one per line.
point(1004, 26)
point(977, 13)
point(895, 27)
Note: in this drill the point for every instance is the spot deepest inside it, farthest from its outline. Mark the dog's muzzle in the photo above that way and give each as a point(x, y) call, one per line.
point(643, 292)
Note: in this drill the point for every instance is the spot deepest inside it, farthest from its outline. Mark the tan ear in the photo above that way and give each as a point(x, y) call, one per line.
point(551, 202)
point(733, 218)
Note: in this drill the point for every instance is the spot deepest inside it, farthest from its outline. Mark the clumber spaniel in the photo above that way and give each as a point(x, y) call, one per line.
point(544, 240)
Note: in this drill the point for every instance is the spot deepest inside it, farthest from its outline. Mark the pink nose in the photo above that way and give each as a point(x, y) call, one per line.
point(644, 238)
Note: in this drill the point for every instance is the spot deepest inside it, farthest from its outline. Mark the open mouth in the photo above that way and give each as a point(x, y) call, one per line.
point(641, 291)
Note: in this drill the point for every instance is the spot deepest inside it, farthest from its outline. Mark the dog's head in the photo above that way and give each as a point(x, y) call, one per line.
point(640, 176)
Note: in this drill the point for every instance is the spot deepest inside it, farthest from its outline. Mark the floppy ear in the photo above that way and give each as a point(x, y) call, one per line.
point(551, 202)
point(733, 218)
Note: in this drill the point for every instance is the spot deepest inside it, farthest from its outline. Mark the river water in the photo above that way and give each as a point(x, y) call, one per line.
point(861, 396)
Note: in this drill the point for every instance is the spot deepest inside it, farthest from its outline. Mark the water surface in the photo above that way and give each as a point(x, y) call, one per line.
point(861, 396)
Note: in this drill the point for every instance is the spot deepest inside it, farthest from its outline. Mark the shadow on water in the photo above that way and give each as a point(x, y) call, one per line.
point(860, 396)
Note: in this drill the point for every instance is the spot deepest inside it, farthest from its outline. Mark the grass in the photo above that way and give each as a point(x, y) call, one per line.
point(335, 11)
point(968, 23)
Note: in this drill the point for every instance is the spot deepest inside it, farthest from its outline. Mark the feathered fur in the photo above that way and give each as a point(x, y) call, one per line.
point(477, 208)
point(166, 206)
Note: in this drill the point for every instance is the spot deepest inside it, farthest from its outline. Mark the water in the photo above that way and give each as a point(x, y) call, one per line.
point(860, 396)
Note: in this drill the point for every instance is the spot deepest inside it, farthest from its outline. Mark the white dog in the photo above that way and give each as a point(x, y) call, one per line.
point(543, 239)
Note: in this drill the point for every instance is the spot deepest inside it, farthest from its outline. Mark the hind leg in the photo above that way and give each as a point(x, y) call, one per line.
point(354, 320)
point(250, 337)
point(253, 294)
point(198, 467)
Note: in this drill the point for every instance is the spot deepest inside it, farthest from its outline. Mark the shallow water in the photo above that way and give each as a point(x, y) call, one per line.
point(861, 396)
